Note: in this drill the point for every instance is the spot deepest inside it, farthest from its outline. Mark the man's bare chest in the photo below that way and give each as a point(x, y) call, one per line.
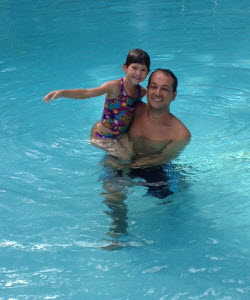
point(148, 146)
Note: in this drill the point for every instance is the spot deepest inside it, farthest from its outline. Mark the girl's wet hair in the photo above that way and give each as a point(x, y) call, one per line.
point(168, 73)
point(138, 56)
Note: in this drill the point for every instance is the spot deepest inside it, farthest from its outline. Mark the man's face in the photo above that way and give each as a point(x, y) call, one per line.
point(160, 90)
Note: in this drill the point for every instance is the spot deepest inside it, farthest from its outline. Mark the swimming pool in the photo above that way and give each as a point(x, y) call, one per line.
point(60, 237)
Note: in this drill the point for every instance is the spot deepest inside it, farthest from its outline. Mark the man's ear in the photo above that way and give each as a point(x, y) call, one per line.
point(174, 95)
point(125, 68)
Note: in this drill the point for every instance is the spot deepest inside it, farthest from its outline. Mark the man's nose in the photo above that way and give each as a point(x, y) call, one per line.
point(158, 91)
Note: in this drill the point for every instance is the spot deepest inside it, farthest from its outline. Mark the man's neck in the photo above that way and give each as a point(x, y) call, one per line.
point(159, 115)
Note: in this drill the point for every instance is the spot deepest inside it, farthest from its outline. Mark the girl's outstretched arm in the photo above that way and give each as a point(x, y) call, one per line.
point(109, 88)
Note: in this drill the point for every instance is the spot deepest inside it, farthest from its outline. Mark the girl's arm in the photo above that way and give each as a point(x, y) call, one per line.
point(109, 88)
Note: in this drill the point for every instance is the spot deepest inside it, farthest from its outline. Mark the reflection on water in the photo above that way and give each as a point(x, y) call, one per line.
point(160, 182)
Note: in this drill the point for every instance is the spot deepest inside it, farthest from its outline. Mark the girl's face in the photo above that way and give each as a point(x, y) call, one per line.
point(136, 72)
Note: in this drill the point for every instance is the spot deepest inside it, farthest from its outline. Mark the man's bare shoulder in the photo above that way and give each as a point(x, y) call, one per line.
point(182, 132)
point(141, 105)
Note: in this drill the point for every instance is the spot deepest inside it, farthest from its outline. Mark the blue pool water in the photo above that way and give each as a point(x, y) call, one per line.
point(60, 237)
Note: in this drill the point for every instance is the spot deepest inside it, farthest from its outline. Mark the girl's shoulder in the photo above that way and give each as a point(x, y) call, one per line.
point(113, 88)
point(113, 84)
point(143, 91)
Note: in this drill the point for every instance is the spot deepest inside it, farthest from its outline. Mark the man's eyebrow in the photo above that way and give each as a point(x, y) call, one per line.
point(164, 85)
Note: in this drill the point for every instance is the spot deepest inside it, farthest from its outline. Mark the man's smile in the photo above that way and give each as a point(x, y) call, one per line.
point(157, 99)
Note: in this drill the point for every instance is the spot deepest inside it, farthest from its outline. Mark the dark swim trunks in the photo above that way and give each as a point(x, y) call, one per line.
point(156, 180)
point(160, 181)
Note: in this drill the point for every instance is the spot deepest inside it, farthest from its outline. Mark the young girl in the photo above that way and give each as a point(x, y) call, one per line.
point(121, 96)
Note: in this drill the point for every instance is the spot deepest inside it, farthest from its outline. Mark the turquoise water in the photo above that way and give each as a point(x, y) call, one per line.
point(60, 237)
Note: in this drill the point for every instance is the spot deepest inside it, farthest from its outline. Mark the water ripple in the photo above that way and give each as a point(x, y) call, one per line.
point(9, 70)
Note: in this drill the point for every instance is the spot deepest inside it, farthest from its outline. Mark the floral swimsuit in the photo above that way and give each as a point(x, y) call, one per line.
point(117, 112)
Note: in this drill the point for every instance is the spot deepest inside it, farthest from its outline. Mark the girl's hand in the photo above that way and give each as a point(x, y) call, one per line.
point(53, 95)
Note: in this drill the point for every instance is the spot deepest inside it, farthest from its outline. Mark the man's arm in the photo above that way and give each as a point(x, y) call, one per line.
point(171, 151)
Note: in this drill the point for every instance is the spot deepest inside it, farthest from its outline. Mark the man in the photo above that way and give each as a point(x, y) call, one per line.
point(155, 136)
